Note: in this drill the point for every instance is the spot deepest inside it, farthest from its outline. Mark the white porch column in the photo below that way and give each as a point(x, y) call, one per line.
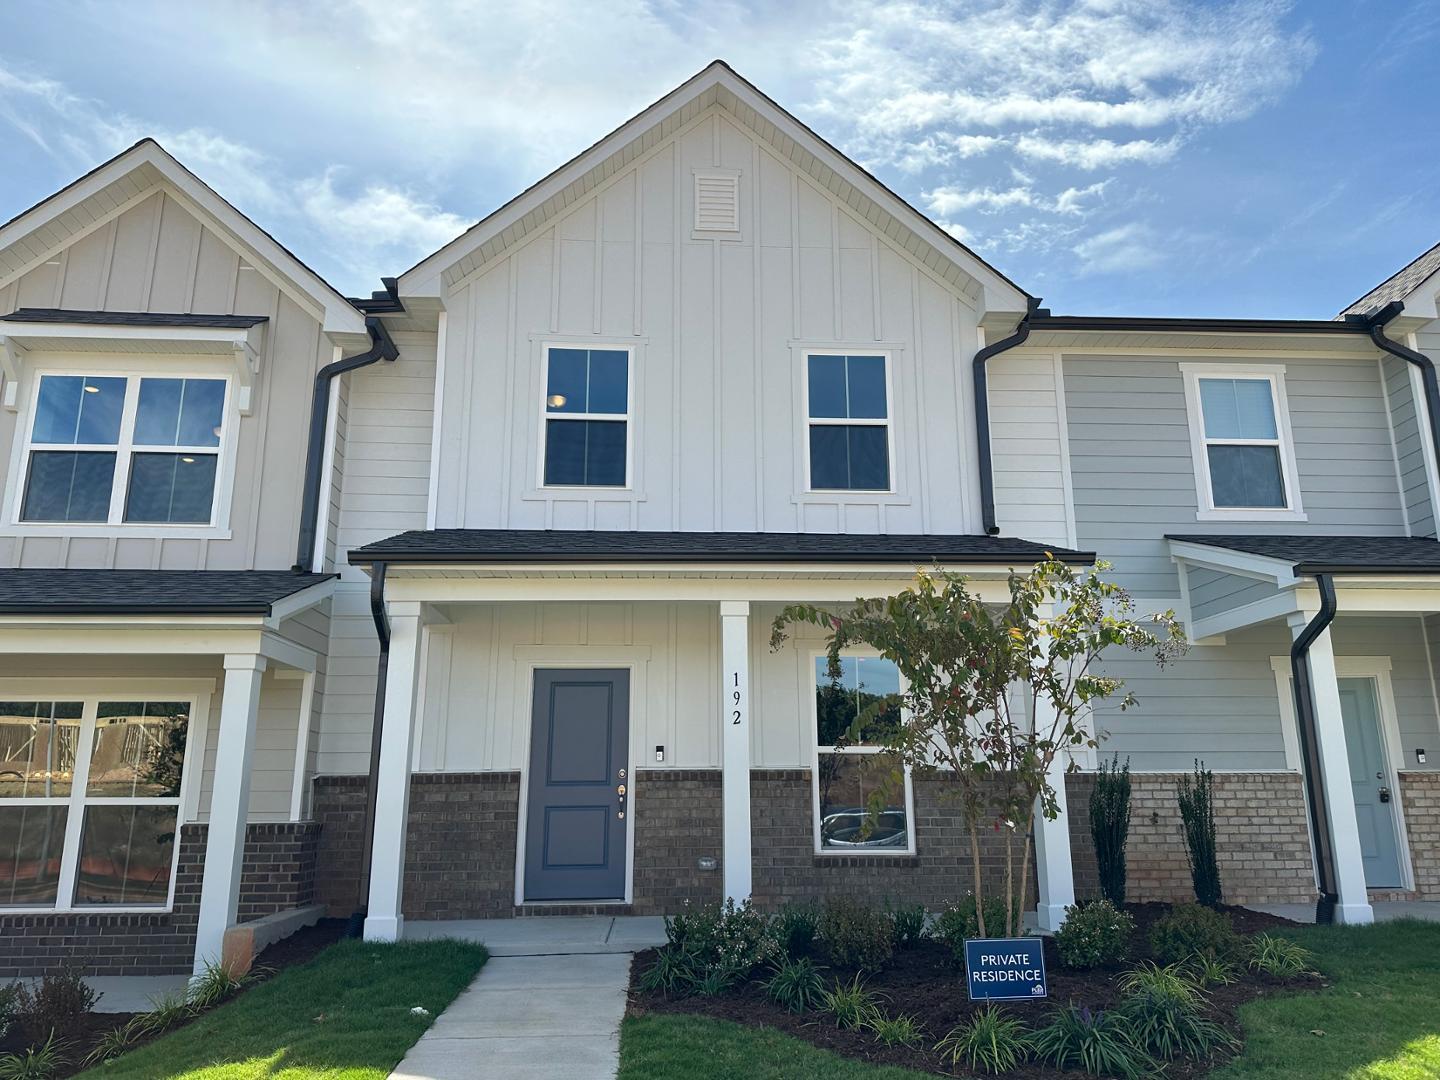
point(229, 806)
point(1054, 875)
point(735, 748)
point(392, 794)
point(1353, 905)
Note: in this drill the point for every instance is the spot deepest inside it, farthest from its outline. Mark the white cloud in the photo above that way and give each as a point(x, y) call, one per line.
point(1094, 154)
point(381, 228)
point(1121, 250)
point(950, 200)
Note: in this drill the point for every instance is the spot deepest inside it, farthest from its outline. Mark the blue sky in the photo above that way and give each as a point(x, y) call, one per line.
point(1144, 157)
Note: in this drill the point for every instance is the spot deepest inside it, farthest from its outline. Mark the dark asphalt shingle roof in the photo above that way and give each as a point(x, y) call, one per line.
point(1335, 554)
point(133, 318)
point(1399, 284)
point(535, 545)
point(148, 592)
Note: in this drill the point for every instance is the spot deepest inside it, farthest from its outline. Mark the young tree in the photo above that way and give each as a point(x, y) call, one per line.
point(977, 678)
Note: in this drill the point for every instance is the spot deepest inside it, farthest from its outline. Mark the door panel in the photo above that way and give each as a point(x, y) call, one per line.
point(575, 819)
point(1370, 783)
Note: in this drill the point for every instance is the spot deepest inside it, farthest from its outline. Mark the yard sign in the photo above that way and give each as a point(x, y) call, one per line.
point(1005, 969)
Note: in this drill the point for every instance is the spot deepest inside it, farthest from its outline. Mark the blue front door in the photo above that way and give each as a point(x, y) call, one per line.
point(1370, 782)
point(575, 829)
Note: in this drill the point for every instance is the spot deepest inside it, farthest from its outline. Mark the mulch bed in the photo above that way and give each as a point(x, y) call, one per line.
point(299, 948)
point(925, 984)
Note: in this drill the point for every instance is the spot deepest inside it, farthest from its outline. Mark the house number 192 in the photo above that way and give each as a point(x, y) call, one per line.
point(735, 697)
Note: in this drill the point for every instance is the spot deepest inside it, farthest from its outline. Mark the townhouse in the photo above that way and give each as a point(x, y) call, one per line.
point(454, 602)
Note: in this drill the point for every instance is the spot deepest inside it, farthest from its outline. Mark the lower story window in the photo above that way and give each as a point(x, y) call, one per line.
point(862, 795)
point(90, 801)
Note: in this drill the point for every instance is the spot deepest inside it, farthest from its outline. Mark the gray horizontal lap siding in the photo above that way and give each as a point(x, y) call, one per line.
point(1134, 480)
point(1212, 592)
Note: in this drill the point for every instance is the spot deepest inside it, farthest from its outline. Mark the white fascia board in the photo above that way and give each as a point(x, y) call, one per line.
point(310, 596)
point(1281, 605)
point(1225, 561)
point(425, 278)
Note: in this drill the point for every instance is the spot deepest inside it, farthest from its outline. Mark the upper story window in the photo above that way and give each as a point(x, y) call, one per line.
point(849, 770)
point(112, 449)
point(587, 418)
point(847, 410)
point(1240, 431)
point(90, 793)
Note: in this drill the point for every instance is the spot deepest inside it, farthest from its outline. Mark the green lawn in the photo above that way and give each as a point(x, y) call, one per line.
point(343, 1016)
point(1380, 1018)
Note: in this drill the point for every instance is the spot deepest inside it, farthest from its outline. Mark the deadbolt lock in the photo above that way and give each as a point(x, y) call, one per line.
point(622, 774)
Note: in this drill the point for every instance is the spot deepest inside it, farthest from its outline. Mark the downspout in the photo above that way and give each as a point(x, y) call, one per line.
point(1310, 749)
point(1375, 322)
point(381, 348)
point(982, 414)
point(377, 726)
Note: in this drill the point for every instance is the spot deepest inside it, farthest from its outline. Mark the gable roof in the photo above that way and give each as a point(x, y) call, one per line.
point(1321, 554)
point(717, 84)
point(1399, 285)
point(29, 238)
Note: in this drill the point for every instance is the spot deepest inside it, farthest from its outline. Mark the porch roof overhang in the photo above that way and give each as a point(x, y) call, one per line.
point(543, 546)
point(1378, 575)
point(460, 565)
point(158, 611)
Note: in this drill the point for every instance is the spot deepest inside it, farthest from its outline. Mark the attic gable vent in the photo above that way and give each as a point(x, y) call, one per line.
point(717, 203)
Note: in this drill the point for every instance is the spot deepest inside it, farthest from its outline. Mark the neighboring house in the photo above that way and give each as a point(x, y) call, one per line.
point(567, 470)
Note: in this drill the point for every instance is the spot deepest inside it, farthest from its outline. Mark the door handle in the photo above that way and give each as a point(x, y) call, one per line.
point(1384, 794)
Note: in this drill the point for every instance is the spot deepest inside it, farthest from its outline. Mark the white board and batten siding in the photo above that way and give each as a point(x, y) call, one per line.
point(156, 256)
point(718, 327)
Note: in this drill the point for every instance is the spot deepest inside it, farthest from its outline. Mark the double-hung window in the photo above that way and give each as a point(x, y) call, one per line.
point(1244, 453)
point(847, 411)
point(90, 793)
point(852, 774)
point(586, 418)
point(112, 449)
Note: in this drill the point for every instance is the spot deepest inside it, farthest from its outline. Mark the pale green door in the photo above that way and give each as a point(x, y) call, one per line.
point(1370, 782)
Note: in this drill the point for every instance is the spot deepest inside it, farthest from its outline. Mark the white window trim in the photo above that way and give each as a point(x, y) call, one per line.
point(90, 692)
point(1274, 374)
point(628, 417)
point(815, 751)
point(807, 421)
point(218, 527)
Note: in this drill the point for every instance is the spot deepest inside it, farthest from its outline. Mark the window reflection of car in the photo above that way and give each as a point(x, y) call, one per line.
point(854, 827)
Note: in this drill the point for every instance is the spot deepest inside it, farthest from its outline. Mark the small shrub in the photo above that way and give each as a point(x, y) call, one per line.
point(959, 921)
point(115, 1042)
point(56, 1005)
point(1110, 826)
point(991, 1040)
point(1279, 957)
point(1211, 970)
point(712, 982)
point(37, 1063)
point(9, 1006)
point(215, 984)
point(673, 972)
point(896, 1030)
point(796, 985)
point(1094, 935)
point(794, 929)
point(907, 925)
point(729, 938)
point(1197, 812)
point(166, 1011)
point(850, 1005)
point(1099, 1042)
point(1165, 1010)
point(1190, 929)
point(855, 935)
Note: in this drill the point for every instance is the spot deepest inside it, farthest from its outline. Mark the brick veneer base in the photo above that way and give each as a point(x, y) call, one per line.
point(278, 874)
point(1261, 837)
point(788, 869)
point(679, 820)
point(1420, 795)
point(459, 844)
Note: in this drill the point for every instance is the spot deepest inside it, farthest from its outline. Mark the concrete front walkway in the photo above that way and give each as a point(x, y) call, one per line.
point(546, 1006)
